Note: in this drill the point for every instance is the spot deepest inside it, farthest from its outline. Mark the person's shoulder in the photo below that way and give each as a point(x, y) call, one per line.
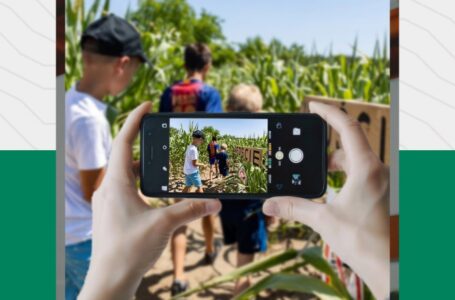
point(88, 123)
point(81, 105)
point(209, 90)
point(169, 88)
point(81, 116)
point(167, 92)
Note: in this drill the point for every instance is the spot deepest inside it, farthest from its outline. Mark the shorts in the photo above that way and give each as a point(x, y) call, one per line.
point(224, 172)
point(193, 179)
point(246, 227)
point(212, 160)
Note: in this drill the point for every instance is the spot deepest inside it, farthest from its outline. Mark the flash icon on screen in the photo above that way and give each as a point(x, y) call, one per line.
point(296, 131)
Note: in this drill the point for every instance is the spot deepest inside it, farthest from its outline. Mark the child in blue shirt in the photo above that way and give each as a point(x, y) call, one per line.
point(242, 221)
point(222, 158)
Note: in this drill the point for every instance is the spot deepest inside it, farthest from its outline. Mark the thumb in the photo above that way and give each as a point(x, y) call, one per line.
point(188, 210)
point(294, 209)
point(337, 161)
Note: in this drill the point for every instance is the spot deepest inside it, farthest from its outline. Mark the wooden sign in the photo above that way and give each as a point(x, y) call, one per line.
point(252, 155)
point(373, 118)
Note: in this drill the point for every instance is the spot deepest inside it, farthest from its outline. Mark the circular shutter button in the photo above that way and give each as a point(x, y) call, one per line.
point(296, 155)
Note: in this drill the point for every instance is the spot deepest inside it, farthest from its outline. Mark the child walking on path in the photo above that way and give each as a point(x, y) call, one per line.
point(222, 158)
point(111, 54)
point(189, 95)
point(242, 221)
point(191, 165)
point(213, 149)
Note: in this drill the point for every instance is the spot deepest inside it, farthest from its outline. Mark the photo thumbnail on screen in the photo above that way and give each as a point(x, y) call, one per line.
point(218, 155)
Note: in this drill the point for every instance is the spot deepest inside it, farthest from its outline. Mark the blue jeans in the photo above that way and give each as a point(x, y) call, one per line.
point(77, 261)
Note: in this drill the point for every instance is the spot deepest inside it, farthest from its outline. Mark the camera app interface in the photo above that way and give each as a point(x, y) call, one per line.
point(218, 155)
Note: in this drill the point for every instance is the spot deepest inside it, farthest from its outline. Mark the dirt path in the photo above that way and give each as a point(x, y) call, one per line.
point(157, 281)
point(177, 184)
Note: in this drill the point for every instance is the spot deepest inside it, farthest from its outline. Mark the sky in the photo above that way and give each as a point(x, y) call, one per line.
point(323, 23)
point(235, 127)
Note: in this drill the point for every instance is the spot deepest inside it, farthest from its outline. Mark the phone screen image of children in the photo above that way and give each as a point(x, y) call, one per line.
point(218, 155)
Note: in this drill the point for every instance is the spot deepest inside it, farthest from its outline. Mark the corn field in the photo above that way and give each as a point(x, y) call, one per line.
point(255, 177)
point(285, 75)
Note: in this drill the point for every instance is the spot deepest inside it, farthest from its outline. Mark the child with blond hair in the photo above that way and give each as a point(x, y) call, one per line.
point(242, 221)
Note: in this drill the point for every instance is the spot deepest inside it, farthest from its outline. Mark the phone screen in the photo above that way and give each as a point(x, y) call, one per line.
point(233, 155)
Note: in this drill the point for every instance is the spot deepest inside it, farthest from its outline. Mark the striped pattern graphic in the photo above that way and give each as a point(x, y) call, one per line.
point(27, 75)
point(427, 81)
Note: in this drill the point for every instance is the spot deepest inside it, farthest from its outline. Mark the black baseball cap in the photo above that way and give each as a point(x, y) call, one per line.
point(114, 37)
point(198, 134)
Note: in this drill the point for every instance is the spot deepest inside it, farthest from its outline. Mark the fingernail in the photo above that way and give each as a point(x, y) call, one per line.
point(271, 208)
point(212, 206)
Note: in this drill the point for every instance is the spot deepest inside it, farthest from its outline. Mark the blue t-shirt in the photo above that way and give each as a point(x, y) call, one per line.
point(190, 96)
point(222, 160)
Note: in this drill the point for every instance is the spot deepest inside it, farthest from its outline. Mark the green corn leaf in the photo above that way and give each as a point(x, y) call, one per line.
point(292, 283)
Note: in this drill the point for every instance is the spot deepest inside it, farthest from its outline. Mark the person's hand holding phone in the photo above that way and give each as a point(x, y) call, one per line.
point(129, 236)
point(356, 223)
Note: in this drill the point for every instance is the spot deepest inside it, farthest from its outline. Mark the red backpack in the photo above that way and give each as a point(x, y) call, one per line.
point(185, 96)
point(212, 149)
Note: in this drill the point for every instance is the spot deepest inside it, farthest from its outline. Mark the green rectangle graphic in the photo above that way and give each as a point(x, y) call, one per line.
point(427, 209)
point(27, 222)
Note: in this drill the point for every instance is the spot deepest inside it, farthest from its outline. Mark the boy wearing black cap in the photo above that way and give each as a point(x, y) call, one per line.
point(111, 54)
point(191, 165)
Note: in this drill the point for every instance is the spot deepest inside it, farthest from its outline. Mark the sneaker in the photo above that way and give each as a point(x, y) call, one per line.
point(209, 258)
point(178, 287)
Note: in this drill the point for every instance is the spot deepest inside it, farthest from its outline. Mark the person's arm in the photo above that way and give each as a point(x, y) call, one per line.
point(90, 181)
point(356, 223)
point(128, 235)
point(89, 139)
point(197, 164)
point(194, 156)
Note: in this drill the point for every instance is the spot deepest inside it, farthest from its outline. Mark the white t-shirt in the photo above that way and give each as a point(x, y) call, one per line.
point(190, 155)
point(88, 144)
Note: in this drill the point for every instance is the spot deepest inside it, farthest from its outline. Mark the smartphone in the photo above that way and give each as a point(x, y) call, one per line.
point(233, 155)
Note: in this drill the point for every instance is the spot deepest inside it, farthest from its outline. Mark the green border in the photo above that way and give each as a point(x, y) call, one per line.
point(27, 222)
point(427, 211)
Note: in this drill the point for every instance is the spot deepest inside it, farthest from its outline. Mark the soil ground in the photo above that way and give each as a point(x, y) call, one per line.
point(176, 184)
point(156, 283)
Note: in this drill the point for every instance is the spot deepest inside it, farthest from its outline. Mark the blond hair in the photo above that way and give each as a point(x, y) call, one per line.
point(224, 146)
point(245, 98)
